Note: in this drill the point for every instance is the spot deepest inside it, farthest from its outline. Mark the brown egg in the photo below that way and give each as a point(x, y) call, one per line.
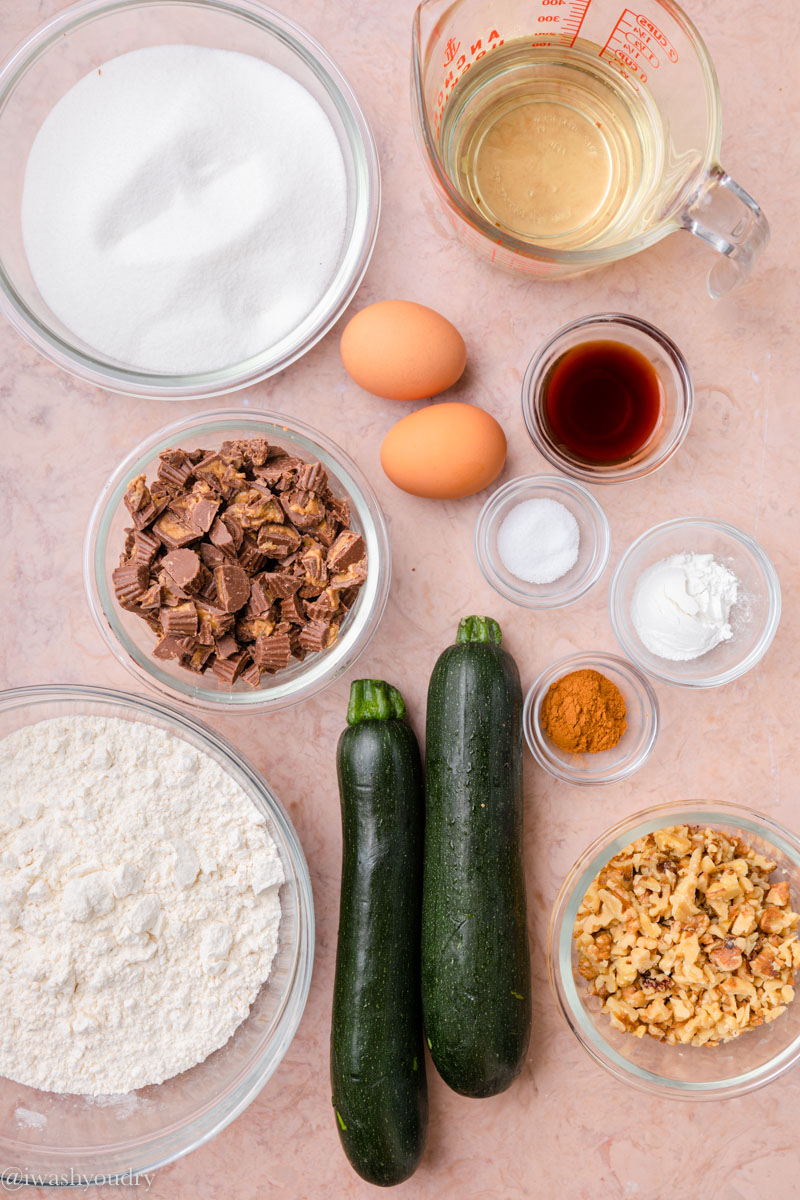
point(444, 451)
point(402, 351)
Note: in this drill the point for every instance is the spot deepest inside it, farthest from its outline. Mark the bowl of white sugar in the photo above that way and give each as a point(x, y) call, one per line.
point(156, 935)
point(189, 194)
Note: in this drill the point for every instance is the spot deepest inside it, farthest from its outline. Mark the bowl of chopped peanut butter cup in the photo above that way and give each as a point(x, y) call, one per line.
point(673, 946)
point(237, 561)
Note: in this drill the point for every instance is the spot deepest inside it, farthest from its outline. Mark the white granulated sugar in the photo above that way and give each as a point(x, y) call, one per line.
point(538, 540)
point(139, 906)
point(184, 208)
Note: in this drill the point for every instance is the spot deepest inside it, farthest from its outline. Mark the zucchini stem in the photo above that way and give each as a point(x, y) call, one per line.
point(374, 700)
point(478, 629)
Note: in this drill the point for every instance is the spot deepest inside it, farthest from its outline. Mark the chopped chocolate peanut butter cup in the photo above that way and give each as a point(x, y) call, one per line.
point(233, 587)
point(239, 559)
point(186, 569)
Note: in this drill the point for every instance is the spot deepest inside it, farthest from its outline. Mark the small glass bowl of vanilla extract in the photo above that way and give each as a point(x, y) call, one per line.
point(607, 398)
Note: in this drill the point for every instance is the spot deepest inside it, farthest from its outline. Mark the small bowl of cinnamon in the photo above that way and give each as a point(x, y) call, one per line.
point(591, 719)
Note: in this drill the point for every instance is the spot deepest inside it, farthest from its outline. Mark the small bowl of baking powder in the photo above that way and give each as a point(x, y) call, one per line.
point(695, 602)
point(542, 541)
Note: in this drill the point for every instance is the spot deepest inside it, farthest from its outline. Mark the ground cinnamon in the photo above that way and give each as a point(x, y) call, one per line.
point(584, 712)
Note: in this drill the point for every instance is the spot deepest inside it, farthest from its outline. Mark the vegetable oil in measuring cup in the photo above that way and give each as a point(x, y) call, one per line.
point(551, 145)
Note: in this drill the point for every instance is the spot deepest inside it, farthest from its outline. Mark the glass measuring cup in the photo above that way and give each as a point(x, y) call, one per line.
point(624, 109)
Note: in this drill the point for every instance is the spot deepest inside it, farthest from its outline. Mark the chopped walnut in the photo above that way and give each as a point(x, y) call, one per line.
point(772, 919)
point(779, 894)
point(684, 937)
point(764, 964)
point(727, 957)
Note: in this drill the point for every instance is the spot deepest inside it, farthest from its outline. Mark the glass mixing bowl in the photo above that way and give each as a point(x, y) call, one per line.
point(680, 1072)
point(80, 39)
point(58, 1137)
point(130, 638)
point(754, 618)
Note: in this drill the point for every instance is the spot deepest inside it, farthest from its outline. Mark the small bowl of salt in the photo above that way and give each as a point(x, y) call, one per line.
point(542, 541)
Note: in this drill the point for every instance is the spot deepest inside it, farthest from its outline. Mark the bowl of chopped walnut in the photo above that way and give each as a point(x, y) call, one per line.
point(237, 561)
point(673, 946)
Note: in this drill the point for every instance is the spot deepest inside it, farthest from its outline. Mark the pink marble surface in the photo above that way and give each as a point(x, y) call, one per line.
point(565, 1129)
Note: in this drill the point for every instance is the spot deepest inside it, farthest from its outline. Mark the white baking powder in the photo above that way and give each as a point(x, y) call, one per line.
point(538, 540)
point(184, 208)
point(681, 606)
point(139, 906)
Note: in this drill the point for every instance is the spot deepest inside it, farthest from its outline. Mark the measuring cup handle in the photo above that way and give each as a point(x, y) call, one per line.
point(728, 219)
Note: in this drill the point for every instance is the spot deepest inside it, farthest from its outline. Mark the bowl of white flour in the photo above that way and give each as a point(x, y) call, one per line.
point(189, 194)
point(156, 934)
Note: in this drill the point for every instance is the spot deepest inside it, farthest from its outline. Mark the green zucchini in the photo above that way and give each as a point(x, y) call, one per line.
point(377, 1060)
point(476, 994)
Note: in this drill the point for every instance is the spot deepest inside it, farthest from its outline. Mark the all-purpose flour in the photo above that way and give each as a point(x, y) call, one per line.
point(184, 208)
point(139, 906)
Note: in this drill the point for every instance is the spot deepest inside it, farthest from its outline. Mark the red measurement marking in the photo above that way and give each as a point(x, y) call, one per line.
point(647, 24)
point(638, 47)
point(561, 22)
point(635, 42)
point(576, 18)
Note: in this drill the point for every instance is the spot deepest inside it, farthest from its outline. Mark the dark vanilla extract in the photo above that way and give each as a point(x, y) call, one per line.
point(603, 401)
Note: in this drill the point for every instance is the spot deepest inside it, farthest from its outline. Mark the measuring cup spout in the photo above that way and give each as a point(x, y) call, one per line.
point(727, 218)
point(431, 10)
point(429, 18)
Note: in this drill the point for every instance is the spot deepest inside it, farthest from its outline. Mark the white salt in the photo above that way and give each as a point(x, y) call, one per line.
point(184, 208)
point(538, 541)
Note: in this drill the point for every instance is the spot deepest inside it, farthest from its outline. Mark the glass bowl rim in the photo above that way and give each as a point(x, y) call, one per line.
point(601, 537)
point(535, 738)
point(585, 868)
point(620, 473)
point(161, 1147)
point(773, 588)
point(366, 199)
point(106, 616)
